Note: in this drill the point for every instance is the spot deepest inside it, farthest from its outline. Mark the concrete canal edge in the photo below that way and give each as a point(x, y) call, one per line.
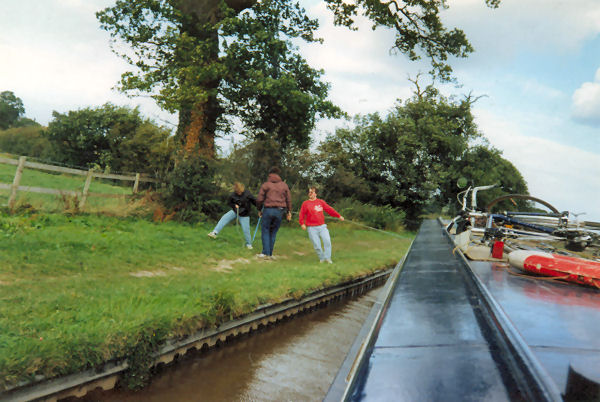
point(106, 377)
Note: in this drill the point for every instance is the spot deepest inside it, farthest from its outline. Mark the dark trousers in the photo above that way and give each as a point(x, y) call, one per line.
point(271, 220)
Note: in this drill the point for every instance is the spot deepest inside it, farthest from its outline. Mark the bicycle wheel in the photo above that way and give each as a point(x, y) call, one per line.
point(526, 197)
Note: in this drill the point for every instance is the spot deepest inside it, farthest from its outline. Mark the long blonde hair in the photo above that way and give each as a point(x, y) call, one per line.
point(238, 187)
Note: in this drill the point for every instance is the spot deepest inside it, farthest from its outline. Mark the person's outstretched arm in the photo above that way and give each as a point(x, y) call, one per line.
point(331, 212)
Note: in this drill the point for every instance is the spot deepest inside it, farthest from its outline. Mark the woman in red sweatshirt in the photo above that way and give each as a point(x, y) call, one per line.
point(313, 221)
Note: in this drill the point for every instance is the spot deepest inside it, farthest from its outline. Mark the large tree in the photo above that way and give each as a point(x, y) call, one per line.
point(174, 47)
point(268, 86)
point(11, 109)
point(402, 160)
point(482, 165)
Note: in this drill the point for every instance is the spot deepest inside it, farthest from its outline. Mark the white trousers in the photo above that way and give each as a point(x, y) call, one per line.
point(316, 234)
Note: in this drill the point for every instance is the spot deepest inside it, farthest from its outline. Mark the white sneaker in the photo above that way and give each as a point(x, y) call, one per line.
point(261, 255)
point(213, 235)
point(249, 246)
point(329, 261)
point(321, 261)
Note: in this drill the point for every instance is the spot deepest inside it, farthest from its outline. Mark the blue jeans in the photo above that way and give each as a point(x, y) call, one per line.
point(316, 234)
point(271, 220)
point(244, 223)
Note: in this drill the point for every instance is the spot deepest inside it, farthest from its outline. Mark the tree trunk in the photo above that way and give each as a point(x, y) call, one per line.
point(197, 128)
point(198, 123)
point(206, 10)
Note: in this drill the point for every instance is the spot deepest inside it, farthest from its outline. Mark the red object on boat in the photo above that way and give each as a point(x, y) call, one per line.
point(497, 249)
point(572, 269)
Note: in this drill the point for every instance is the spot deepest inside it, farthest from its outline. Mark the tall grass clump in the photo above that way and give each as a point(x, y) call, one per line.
point(379, 217)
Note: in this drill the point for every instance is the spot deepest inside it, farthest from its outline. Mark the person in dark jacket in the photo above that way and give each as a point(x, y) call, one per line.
point(240, 201)
point(274, 195)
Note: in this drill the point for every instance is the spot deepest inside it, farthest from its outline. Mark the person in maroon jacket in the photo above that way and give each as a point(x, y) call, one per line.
point(313, 221)
point(275, 196)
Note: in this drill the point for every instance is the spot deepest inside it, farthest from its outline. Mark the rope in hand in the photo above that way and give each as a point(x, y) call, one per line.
point(365, 226)
point(345, 220)
point(378, 230)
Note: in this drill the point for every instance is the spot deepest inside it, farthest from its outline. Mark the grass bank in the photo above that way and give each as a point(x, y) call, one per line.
point(76, 291)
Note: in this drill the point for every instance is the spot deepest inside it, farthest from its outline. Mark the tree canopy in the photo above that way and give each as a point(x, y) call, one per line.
point(11, 109)
point(484, 165)
point(412, 156)
point(30, 140)
point(111, 137)
point(268, 85)
point(219, 64)
point(419, 29)
point(258, 77)
point(173, 46)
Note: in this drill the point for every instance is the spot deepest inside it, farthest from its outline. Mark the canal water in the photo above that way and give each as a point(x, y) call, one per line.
point(295, 360)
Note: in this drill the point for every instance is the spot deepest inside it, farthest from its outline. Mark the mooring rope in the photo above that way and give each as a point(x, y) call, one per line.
point(365, 226)
point(375, 229)
point(344, 221)
point(550, 278)
point(533, 276)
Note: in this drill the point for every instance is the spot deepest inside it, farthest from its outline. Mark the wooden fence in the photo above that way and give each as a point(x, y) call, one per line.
point(22, 163)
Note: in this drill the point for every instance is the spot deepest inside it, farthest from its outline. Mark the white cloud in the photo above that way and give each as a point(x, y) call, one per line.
point(565, 176)
point(365, 78)
point(586, 102)
point(59, 71)
point(351, 52)
point(535, 88)
point(55, 57)
point(58, 59)
point(83, 6)
point(517, 26)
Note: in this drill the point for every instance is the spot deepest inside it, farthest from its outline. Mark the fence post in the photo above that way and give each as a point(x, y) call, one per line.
point(86, 188)
point(15, 185)
point(136, 183)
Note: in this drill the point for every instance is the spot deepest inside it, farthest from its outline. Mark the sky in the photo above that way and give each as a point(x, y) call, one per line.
point(535, 69)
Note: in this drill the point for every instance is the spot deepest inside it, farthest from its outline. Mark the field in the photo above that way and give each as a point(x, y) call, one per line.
point(65, 182)
point(78, 290)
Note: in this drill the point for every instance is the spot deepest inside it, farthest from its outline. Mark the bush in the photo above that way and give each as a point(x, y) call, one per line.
point(380, 217)
point(190, 188)
point(29, 141)
point(116, 138)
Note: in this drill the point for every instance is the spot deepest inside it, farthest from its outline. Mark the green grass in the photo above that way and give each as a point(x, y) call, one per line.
point(76, 291)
